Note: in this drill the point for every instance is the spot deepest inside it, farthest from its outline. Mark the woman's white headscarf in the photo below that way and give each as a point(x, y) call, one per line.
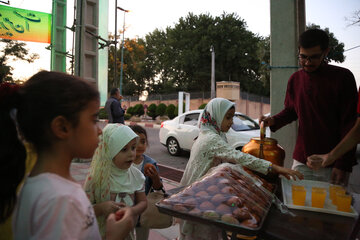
point(100, 181)
point(214, 114)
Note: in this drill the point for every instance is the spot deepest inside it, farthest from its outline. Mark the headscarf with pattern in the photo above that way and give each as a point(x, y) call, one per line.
point(98, 182)
point(214, 114)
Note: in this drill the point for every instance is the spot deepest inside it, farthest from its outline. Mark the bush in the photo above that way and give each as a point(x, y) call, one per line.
point(151, 111)
point(138, 110)
point(127, 116)
point(102, 114)
point(160, 110)
point(170, 111)
point(202, 106)
point(130, 111)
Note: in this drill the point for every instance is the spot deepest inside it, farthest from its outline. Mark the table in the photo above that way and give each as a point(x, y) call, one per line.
point(306, 225)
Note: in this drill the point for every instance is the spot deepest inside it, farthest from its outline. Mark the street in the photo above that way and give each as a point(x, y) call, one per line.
point(160, 154)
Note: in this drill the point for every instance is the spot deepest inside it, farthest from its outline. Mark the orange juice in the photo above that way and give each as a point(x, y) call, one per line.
point(343, 202)
point(334, 190)
point(318, 196)
point(298, 195)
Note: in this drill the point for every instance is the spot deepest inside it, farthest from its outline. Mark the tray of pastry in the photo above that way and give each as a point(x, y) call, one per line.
point(227, 197)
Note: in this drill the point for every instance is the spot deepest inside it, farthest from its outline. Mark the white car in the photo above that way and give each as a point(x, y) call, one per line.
point(180, 133)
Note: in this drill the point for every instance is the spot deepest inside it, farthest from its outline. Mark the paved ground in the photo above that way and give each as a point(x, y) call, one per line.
point(80, 170)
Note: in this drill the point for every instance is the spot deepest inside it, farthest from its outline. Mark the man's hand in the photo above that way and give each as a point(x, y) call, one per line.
point(268, 121)
point(339, 177)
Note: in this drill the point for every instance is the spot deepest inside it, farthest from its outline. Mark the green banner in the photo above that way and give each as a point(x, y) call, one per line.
point(25, 25)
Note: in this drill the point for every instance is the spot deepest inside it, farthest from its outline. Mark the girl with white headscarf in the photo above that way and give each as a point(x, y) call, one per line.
point(110, 186)
point(211, 145)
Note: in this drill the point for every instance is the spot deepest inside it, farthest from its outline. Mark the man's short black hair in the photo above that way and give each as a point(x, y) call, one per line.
point(114, 91)
point(314, 37)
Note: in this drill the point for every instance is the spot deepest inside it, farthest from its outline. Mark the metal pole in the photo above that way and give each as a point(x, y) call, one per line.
point(115, 40)
point(122, 55)
point(213, 95)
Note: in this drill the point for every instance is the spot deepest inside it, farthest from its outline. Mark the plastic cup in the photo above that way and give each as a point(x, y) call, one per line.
point(343, 202)
point(318, 196)
point(315, 162)
point(298, 195)
point(334, 190)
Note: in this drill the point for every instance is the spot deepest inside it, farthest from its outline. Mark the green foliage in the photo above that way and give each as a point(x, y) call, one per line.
point(336, 53)
point(12, 50)
point(170, 111)
point(127, 116)
point(139, 110)
point(160, 109)
point(130, 111)
point(181, 57)
point(151, 111)
point(102, 114)
point(202, 106)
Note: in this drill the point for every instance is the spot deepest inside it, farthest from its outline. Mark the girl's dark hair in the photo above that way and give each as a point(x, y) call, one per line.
point(138, 130)
point(43, 97)
point(314, 37)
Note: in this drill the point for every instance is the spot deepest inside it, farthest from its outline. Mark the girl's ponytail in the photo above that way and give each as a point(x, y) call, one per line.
point(12, 150)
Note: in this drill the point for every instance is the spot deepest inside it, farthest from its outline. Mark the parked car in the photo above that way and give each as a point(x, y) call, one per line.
point(180, 133)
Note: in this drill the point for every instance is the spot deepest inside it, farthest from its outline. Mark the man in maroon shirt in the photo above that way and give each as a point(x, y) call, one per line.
point(323, 98)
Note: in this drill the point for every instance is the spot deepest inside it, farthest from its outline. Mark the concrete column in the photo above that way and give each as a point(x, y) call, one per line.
point(287, 21)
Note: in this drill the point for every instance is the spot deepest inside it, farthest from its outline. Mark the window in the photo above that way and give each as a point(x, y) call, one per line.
point(191, 119)
point(244, 123)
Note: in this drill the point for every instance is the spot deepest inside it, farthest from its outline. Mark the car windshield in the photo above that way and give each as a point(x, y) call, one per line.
point(243, 123)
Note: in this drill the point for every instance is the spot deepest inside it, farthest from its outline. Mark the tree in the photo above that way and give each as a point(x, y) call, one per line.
point(13, 50)
point(136, 71)
point(181, 58)
point(354, 20)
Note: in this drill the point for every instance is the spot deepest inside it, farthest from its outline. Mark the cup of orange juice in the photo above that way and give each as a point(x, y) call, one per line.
point(298, 195)
point(318, 196)
point(334, 190)
point(343, 202)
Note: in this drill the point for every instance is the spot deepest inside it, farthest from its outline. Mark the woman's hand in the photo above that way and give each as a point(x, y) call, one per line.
point(119, 224)
point(288, 173)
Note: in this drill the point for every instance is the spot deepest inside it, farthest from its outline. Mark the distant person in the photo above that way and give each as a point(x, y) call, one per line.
point(149, 168)
point(212, 146)
point(323, 99)
point(57, 114)
point(113, 182)
point(113, 107)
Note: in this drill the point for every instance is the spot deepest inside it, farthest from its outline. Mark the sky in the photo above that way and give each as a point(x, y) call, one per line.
point(145, 16)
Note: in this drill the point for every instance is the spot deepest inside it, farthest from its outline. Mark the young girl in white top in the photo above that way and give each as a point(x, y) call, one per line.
point(56, 113)
point(113, 181)
point(210, 147)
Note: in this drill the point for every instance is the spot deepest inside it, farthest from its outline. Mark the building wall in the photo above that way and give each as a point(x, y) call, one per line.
point(250, 108)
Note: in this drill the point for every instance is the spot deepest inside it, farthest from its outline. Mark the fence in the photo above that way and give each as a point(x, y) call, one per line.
point(197, 95)
point(251, 104)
